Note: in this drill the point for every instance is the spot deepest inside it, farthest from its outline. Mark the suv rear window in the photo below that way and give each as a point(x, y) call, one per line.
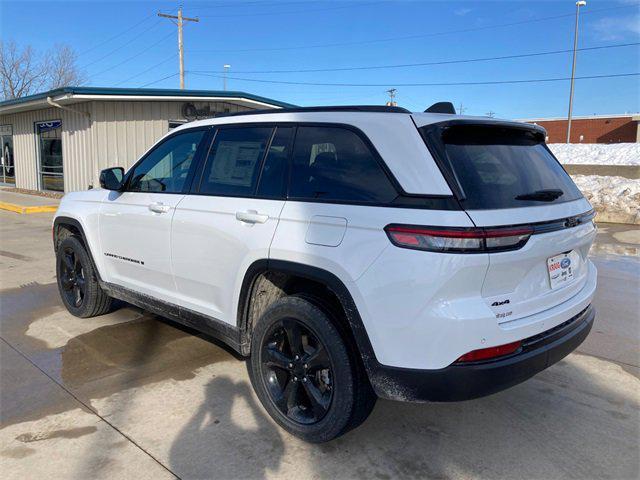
point(500, 167)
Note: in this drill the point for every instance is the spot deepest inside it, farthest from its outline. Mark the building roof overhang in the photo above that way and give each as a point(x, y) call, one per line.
point(71, 95)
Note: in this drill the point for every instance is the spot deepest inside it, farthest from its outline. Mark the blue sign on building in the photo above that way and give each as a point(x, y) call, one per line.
point(46, 126)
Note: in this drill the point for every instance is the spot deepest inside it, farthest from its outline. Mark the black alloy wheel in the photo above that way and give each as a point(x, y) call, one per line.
point(305, 370)
point(78, 284)
point(298, 372)
point(72, 278)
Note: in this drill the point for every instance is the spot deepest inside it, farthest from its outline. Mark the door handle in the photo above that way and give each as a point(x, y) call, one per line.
point(251, 216)
point(159, 207)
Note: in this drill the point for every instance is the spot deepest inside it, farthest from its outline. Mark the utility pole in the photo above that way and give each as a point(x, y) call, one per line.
point(179, 23)
point(392, 96)
point(490, 114)
point(461, 109)
point(579, 4)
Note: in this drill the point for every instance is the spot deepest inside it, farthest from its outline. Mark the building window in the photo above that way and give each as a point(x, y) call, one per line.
point(50, 155)
point(8, 173)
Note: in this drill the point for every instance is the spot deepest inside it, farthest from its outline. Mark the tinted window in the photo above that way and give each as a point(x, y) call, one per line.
point(505, 168)
point(332, 163)
point(234, 161)
point(273, 177)
point(166, 167)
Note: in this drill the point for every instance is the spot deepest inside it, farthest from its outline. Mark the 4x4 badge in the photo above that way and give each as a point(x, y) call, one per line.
point(497, 304)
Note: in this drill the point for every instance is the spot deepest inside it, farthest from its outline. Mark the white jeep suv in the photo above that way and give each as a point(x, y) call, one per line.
point(349, 253)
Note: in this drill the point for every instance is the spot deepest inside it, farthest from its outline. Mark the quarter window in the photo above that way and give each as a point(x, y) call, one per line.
point(333, 163)
point(234, 162)
point(273, 177)
point(165, 168)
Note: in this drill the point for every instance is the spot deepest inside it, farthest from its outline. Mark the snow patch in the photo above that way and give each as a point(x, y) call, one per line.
point(597, 153)
point(615, 199)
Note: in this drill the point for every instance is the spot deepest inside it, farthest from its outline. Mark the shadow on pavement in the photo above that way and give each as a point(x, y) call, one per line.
point(229, 436)
point(576, 420)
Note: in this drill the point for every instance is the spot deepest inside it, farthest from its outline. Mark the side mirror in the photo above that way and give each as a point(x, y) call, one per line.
point(111, 178)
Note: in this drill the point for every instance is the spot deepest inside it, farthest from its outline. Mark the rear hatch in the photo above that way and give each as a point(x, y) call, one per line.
point(504, 175)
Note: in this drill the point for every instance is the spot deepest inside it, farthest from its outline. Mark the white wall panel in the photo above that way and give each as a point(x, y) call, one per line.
point(115, 134)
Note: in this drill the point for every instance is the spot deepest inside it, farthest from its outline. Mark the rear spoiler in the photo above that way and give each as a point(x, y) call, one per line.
point(490, 123)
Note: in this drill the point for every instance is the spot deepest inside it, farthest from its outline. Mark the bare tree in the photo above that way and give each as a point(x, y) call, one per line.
point(62, 70)
point(22, 72)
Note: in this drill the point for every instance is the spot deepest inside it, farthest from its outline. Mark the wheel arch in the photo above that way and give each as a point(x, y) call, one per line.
point(72, 225)
point(297, 272)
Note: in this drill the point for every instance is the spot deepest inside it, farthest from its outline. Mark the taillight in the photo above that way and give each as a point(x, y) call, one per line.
point(460, 240)
point(491, 352)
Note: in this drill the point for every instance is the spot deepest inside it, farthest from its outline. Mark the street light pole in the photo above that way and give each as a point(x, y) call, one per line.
point(579, 4)
point(226, 70)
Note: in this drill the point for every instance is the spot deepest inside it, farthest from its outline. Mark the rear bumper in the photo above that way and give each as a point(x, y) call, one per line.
point(466, 381)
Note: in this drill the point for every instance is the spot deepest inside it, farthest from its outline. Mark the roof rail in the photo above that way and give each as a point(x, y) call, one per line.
point(337, 108)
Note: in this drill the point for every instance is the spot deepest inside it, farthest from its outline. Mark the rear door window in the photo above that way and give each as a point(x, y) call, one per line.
point(233, 165)
point(501, 167)
point(335, 164)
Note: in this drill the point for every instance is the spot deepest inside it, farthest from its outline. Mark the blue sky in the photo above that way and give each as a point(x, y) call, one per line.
point(292, 35)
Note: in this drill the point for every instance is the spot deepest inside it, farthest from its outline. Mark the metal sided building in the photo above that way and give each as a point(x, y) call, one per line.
point(61, 139)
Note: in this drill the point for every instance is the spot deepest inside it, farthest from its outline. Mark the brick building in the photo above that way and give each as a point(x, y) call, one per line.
point(592, 129)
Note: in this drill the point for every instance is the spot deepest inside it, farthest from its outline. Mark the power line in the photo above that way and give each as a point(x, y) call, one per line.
point(159, 80)
point(118, 35)
point(115, 50)
point(438, 84)
point(242, 4)
point(407, 37)
point(132, 57)
point(423, 64)
point(263, 14)
point(170, 59)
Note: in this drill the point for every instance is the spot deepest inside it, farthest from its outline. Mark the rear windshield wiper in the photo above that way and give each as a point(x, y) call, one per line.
point(541, 195)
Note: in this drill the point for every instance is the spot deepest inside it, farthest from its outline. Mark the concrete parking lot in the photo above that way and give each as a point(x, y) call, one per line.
point(127, 395)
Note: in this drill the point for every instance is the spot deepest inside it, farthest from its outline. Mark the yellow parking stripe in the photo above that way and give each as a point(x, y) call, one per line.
point(12, 207)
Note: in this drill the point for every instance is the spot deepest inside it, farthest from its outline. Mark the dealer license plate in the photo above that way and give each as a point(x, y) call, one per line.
point(561, 269)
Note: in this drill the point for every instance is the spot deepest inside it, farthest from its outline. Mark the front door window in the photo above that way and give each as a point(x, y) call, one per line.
point(7, 166)
point(50, 153)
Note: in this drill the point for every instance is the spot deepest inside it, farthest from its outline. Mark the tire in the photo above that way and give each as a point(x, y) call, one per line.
point(318, 403)
point(77, 281)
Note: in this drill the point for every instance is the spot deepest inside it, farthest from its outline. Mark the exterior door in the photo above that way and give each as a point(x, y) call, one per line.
point(135, 225)
point(333, 217)
point(50, 165)
point(8, 173)
point(230, 219)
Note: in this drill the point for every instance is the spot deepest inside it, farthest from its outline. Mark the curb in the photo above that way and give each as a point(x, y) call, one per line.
point(12, 207)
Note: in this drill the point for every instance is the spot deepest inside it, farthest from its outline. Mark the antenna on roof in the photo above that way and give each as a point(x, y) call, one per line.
point(441, 107)
point(392, 95)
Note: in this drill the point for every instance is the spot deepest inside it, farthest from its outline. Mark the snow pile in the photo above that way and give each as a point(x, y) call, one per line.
point(597, 153)
point(616, 199)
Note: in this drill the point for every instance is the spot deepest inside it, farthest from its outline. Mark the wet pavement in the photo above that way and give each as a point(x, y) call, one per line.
point(130, 395)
